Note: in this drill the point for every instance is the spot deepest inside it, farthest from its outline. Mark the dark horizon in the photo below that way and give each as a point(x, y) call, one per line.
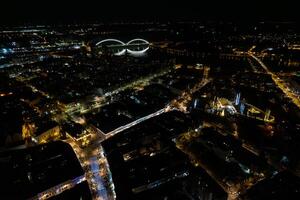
point(56, 11)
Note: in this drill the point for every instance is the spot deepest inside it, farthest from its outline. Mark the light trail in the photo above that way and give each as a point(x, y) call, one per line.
point(134, 123)
point(173, 105)
point(279, 82)
point(93, 162)
point(58, 189)
point(98, 180)
point(101, 101)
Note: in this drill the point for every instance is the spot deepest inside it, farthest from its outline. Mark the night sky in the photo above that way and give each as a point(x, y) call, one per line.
point(53, 11)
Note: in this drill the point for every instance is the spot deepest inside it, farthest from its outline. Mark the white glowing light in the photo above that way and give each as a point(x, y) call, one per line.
point(132, 52)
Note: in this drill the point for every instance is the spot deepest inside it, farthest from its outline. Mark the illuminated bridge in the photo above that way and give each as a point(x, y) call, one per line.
point(117, 47)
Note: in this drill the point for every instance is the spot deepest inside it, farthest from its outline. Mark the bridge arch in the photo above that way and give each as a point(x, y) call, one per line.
point(139, 51)
point(110, 40)
point(114, 40)
point(137, 39)
point(132, 52)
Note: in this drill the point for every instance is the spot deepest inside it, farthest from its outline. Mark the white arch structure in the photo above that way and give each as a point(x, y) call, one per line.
point(132, 52)
point(137, 52)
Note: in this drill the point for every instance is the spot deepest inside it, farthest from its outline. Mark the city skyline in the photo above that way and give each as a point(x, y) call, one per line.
point(150, 101)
